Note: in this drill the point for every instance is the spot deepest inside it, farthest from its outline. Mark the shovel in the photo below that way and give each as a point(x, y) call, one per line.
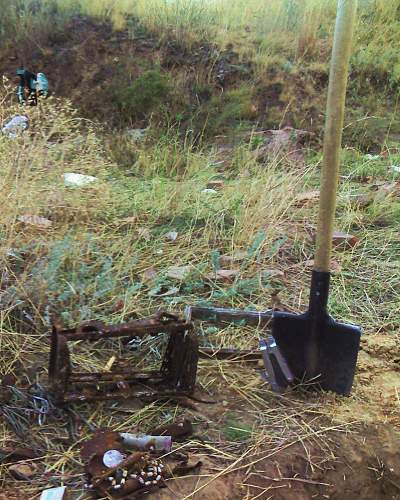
point(315, 346)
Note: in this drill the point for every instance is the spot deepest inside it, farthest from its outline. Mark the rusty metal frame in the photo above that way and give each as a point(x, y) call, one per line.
point(176, 376)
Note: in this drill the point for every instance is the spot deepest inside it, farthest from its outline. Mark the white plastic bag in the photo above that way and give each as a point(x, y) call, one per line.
point(78, 180)
point(15, 126)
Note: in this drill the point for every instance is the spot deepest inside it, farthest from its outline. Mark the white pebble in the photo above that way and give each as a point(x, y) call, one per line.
point(147, 483)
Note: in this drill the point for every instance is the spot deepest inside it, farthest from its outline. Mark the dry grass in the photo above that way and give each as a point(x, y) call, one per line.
point(92, 263)
point(284, 31)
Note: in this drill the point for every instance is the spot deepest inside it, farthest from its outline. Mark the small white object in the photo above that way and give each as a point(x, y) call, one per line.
point(78, 180)
point(158, 478)
point(54, 493)
point(15, 126)
point(112, 458)
point(147, 483)
point(209, 191)
point(372, 157)
point(396, 168)
point(142, 441)
point(136, 134)
point(172, 236)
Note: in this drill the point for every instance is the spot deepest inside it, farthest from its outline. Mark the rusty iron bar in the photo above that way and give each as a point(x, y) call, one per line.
point(99, 395)
point(227, 353)
point(120, 376)
point(96, 330)
point(222, 316)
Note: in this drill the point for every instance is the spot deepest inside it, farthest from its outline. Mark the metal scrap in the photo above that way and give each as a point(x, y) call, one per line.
point(184, 468)
point(178, 430)
point(223, 317)
point(113, 472)
point(25, 405)
point(277, 371)
point(230, 353)
point(176, 376)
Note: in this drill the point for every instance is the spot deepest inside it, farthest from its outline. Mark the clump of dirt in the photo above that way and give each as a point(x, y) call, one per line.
point(377, 384)
point(364, 464)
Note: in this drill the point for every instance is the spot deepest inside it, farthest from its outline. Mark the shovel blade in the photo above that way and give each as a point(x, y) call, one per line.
point(338, 346)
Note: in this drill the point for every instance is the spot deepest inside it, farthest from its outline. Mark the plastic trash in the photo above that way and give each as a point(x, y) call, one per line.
point(136, 134)
point(59, 493)
point(78, 180)
point(146, 442)
point(15, 126)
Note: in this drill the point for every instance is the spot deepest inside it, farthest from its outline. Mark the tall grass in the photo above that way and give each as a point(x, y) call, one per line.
point(290, 29)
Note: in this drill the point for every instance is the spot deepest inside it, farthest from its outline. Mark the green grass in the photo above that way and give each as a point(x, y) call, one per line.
point(234, 430)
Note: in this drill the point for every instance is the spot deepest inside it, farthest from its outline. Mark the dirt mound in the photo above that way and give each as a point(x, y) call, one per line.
point(364, 464)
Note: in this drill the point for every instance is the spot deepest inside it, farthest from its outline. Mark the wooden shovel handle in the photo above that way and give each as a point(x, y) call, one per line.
point(344, 28)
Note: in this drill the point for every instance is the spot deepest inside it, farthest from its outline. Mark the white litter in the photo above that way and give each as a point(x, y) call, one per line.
point(136, 134)
point(172, 235)
point(54, 494)
point(112, 458)
point(372, 157)
point(395, 168)
point(78, 180)
point(15, 126)
point(209, 191)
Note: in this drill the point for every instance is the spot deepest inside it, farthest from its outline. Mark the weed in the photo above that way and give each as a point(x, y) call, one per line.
point(234, 429)
point(143, 95)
